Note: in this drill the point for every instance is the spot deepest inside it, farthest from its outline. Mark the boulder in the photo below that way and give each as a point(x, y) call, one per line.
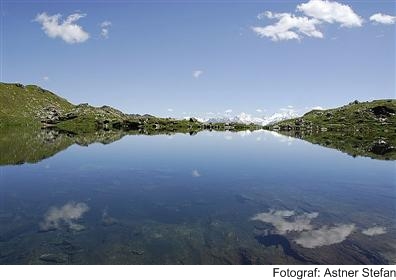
point(381, 147)
point(382, 111)
point(53, 258)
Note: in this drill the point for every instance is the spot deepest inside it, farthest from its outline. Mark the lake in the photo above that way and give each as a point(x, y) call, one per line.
point(211, 198)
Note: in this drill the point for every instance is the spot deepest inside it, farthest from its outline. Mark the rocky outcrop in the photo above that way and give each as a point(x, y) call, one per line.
point(381, 147)
point(52, 115)
point(383, 111)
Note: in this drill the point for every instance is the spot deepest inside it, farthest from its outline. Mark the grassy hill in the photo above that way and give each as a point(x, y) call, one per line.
point(31, 105)
point(36, 124)
point(359, 128)
point(376, 115)
point(22, 105)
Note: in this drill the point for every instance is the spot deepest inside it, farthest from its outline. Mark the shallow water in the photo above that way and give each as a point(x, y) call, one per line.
point(212, 198)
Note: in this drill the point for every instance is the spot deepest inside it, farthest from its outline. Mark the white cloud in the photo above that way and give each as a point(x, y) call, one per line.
point(289, 27)
point(259, 110)
point(195, 173)
point(67, 214)
point(316, 12)
point(324, 236)
point(67, 30)
point(382, 18)
point(197, 73)
point(374, 231)
point(331, 12)
point(104, 31)
point(170, 110)
point(228, 111)
point(45, 78)
point(286, 221)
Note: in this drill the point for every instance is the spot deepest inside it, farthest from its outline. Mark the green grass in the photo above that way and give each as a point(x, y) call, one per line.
point(351, 117)
point(20, 105)
point(354, 129)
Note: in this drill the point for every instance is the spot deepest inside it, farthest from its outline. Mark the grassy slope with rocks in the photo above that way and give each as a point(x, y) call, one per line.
point(36, 124)
point(359, 128)
point(33, 106)
point(21, 105)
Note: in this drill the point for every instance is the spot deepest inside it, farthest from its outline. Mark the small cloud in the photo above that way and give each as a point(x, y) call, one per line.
point(104, 31)
point(195, 173)
point(228, 137)
point(45, 78)
point(383, 19)
point(374, 231)
point(324, 236)
point(67, 214)
point(228, 111)
point(197, 73)
point(290, 106)
point(170, 110)
point(259, 110)
point(67, 30)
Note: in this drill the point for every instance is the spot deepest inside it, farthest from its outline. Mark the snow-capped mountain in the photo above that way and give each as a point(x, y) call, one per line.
point(247, 118)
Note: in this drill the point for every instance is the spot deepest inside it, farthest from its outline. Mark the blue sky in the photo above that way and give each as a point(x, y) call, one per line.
point(147, 60)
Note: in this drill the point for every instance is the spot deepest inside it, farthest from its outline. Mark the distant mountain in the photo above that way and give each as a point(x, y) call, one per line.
point(248, 119)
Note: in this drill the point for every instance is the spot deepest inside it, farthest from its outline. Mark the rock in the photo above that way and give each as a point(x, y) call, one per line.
point(137, 252)
point(299, 121)
point(68, 116)
point(107, 220)
point(131, 125)
point(381, 147)
point(382, 111)
point(53, 258)
point(50, 115)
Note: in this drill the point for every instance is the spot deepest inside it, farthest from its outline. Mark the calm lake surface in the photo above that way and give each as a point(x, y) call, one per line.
point(212, 198)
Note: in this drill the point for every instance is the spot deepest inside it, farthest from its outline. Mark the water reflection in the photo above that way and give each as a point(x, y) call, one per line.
point(324, 236)
point(285, 220)
point(192, 200)
point(68, 214)
point(374, 231)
